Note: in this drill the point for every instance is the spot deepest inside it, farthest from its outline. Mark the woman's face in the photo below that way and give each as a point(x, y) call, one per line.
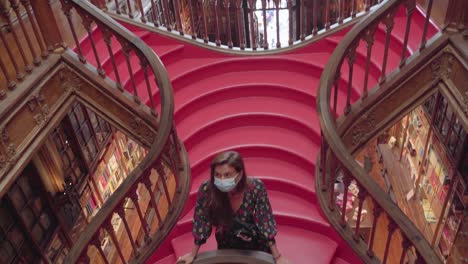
point(225, 172)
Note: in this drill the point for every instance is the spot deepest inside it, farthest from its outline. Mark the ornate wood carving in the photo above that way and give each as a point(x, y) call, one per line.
point(142, 130)
point(363, 129)
point(70, 82)
point(39, 108)
point(442, 66)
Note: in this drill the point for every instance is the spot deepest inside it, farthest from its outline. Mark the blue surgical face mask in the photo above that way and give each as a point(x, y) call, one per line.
point(225, 185)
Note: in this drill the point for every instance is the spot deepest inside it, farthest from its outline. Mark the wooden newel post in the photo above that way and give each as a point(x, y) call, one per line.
point(47, 24)
point(101, 4)
point(456, 18)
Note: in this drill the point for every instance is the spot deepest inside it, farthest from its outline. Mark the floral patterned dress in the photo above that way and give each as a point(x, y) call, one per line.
point(255, 211)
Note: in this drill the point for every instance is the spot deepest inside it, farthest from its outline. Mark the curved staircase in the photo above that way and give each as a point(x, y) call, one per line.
point(264, 107)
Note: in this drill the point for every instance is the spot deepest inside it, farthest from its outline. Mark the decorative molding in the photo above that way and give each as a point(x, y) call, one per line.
point(9, 154)
point(70, 82)
point(360, 133)
point(37, 102)
point(442, 66)
point(141, 130)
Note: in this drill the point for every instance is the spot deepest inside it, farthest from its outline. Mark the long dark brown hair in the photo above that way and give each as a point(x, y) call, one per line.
point(219, 207)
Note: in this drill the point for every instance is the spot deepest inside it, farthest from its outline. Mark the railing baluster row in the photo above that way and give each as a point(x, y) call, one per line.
point(254, 19)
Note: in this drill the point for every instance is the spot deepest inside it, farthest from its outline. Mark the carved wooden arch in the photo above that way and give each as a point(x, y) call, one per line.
point(446, 72)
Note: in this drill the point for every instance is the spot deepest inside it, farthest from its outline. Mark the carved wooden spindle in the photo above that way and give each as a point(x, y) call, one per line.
point(353, 8)
point(336, 84)
point(147, 182)
point(315, 15)
point(66, 8)
point(121, 213)
point(227, 6)
point(217, 4)
point(334, 168)
point(117, 6)
point(391, 230)
point(302, 20)
point(405, 244)
point(369, 37)
point(346, 182)
point(10, 83)
point(240, 24)
point(192, 20)
point(97, 244)
point(410, 7)
point(177, 15)
point(162, 177)
point(27, 7)
point(367, 5)
point(142, 11)
point(107, 225)
point(389, 23)
point(145, 67)
point(6, 15)
point(351, 58)
point(154, 12)
point(265, 31)
point(291, 35)
point(323, 162)
point(341, 12)
point(19, 73)
point(327, 15)
point(130, 11)
point(107, 36)
point(426, 25)
point(127, 48)
point(362, 197)
point(146, 228)
point(377, 210)
point(278, 39)
point(87, 22)
point(203, 15)
point(253, 40)
point(167, 18)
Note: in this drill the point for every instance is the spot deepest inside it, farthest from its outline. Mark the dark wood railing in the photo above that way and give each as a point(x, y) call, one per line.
point(156, 190)
point(234, 256)
point(398, 234)
point(234, 24)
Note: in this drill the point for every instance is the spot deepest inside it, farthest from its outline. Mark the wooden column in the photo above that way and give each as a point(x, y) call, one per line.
point(47, 24)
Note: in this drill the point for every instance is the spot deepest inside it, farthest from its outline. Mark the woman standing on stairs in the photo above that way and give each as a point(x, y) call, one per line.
point(237, 206)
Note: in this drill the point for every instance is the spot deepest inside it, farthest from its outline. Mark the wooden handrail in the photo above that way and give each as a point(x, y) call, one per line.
point(334, 150)
point(165, 157)
point(234, 256)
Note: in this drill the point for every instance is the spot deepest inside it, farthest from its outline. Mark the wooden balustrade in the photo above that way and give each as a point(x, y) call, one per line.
point(242, 24)
point(339, 173)
point(24, 45)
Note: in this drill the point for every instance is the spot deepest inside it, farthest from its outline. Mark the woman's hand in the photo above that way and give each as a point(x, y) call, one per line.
point(282, 260)
point(186, 259)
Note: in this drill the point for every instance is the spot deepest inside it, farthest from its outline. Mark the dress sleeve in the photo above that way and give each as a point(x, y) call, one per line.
point(263, 214)
point(201, 221)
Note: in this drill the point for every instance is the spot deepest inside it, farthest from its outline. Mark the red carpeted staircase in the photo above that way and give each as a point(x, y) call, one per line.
point(263, 107)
